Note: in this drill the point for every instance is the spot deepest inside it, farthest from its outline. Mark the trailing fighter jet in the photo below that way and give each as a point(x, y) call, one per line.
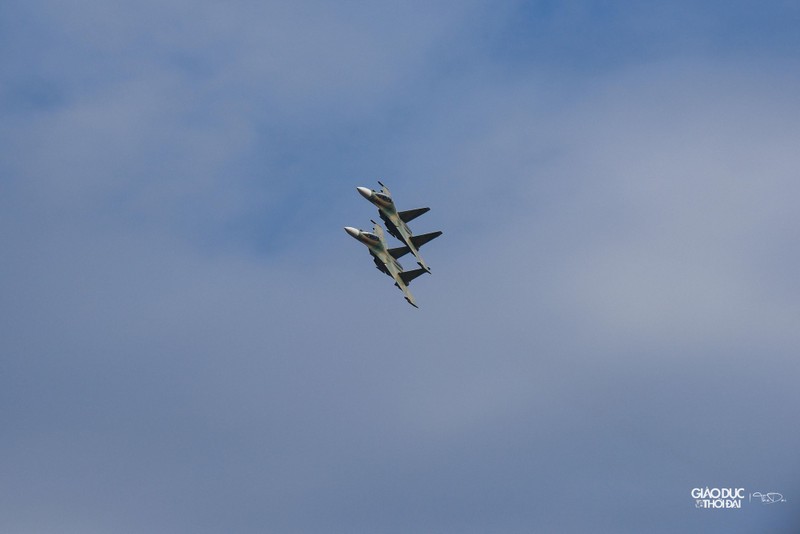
point(396, 220)
point(386, 259)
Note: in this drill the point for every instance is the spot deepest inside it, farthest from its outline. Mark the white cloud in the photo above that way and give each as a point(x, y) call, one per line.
point(656, 206)
point(587, 221)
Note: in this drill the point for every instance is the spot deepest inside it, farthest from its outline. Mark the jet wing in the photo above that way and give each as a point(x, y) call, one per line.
point(399, 252)
point(384, 189)
point(417, 240)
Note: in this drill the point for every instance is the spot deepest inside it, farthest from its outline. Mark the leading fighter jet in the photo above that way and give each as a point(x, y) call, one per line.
point(386, 259)
point(396, 220)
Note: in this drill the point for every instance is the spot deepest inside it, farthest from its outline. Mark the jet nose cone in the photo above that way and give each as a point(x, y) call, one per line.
point(352, 231)
point(366, 192)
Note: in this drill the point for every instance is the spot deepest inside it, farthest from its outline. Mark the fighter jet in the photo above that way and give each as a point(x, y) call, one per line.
point(386, 259)
point(396, 220)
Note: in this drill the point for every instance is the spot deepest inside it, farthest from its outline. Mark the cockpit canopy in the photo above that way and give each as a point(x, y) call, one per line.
point(384, 197)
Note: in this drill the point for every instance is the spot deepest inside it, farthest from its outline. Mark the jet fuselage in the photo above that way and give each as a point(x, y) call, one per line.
point(395, 225)
point(384, 261)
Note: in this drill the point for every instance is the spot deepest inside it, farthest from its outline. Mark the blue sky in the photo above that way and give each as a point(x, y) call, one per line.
point(191, 343)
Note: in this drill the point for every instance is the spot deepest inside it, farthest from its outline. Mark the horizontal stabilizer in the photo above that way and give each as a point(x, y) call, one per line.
point(419, 240)
point(410, 215)
point(408, 276)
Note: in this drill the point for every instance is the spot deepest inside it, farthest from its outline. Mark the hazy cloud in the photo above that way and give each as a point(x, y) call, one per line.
point(191, 342)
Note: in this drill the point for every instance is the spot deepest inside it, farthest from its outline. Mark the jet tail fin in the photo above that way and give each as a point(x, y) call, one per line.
point(408, 276)
point(410, 215)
